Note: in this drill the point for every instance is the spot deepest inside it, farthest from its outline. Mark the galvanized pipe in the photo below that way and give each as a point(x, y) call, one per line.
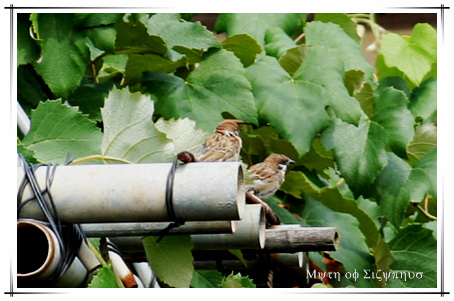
point(39, 255)
point(137, 192)
point(249, 235)
point(145, 229)
point(273, 261)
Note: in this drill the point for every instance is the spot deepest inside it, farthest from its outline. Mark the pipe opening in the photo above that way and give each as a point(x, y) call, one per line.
point(36, 249)
point(32, 249)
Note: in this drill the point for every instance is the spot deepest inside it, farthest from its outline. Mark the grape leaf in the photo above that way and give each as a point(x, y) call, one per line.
point(27, 49)
point(58, 130)
point(104, 278)
point(347, 24)
point(424, 140)
point(244, 47)
point(277, 42)
point(399, 183)
point(414, 56)
point(287, 103)
point(206, 279)
point(129, 132)
point(218, 85)
point(397, 121)
point(256, 24)
point(423, 101)
point(176, 32)
point(414, 250)
point(237, 281)
point(358, 150)
point(171, 259)
point(332, 36)
point(353, 251)
point(64, 54)
point(182, 132)
point(332, 196)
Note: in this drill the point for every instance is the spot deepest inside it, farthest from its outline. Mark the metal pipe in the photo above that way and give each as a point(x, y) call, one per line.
point(250, 233)
point(145, 229)
point(146, 274)
point(39, 255)
point(23, 122)
point(294, 238)
point(137, 192)
point(272, 261)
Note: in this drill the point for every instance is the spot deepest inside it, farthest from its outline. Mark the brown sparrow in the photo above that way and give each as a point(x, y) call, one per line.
point(223, 146)
point(269, 175)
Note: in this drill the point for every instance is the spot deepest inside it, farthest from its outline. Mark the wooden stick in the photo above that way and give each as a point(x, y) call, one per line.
point(295, 238)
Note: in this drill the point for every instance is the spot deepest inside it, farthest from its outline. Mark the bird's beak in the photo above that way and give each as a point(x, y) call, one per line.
point(290, 161)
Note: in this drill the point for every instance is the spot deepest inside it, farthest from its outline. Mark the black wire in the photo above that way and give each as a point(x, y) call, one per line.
point(69, 236)
point(176, 221)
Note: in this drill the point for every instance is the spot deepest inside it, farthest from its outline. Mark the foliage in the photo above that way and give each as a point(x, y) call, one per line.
point(141, 87)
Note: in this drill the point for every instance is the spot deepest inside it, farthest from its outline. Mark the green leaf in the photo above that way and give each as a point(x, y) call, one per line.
point(423, 101)
point(342, 20)
point(244, 47)
point(206, 279)
point(177, 32)
point(358, 150)
point(237, 281)
point(291, 60)
point(424, 140)
point(414, 250)
point(58, 130)
point(89, 97)
point(132, 37)
point(399, 183)
point(103, 37)
point(288, 104)
point(333, 197)
point(139, 63)
point(129, 132)
point(30, 87)
point(332, 36)
point(414, 56)
point(104, 278)
point(277, 42)
point(64, 54)
point(256, 25)
point(218, 85)
point(397, 121)
point(95, 19)
point(353, 251)
point(171, 259)
point(183, 133)
point(27, 49)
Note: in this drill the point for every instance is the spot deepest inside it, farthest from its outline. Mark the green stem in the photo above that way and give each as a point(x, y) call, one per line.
point(99, 157)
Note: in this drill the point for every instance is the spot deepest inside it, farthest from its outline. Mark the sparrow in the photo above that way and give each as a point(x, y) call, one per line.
point(222, 146)
point(269, 175)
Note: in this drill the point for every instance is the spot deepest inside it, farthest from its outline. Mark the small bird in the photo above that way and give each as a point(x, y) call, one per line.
point(269, 175)
point(222, 146)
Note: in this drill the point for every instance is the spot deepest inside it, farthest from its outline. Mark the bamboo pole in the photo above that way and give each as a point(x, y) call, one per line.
point(294, 238)
point(137, 192)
